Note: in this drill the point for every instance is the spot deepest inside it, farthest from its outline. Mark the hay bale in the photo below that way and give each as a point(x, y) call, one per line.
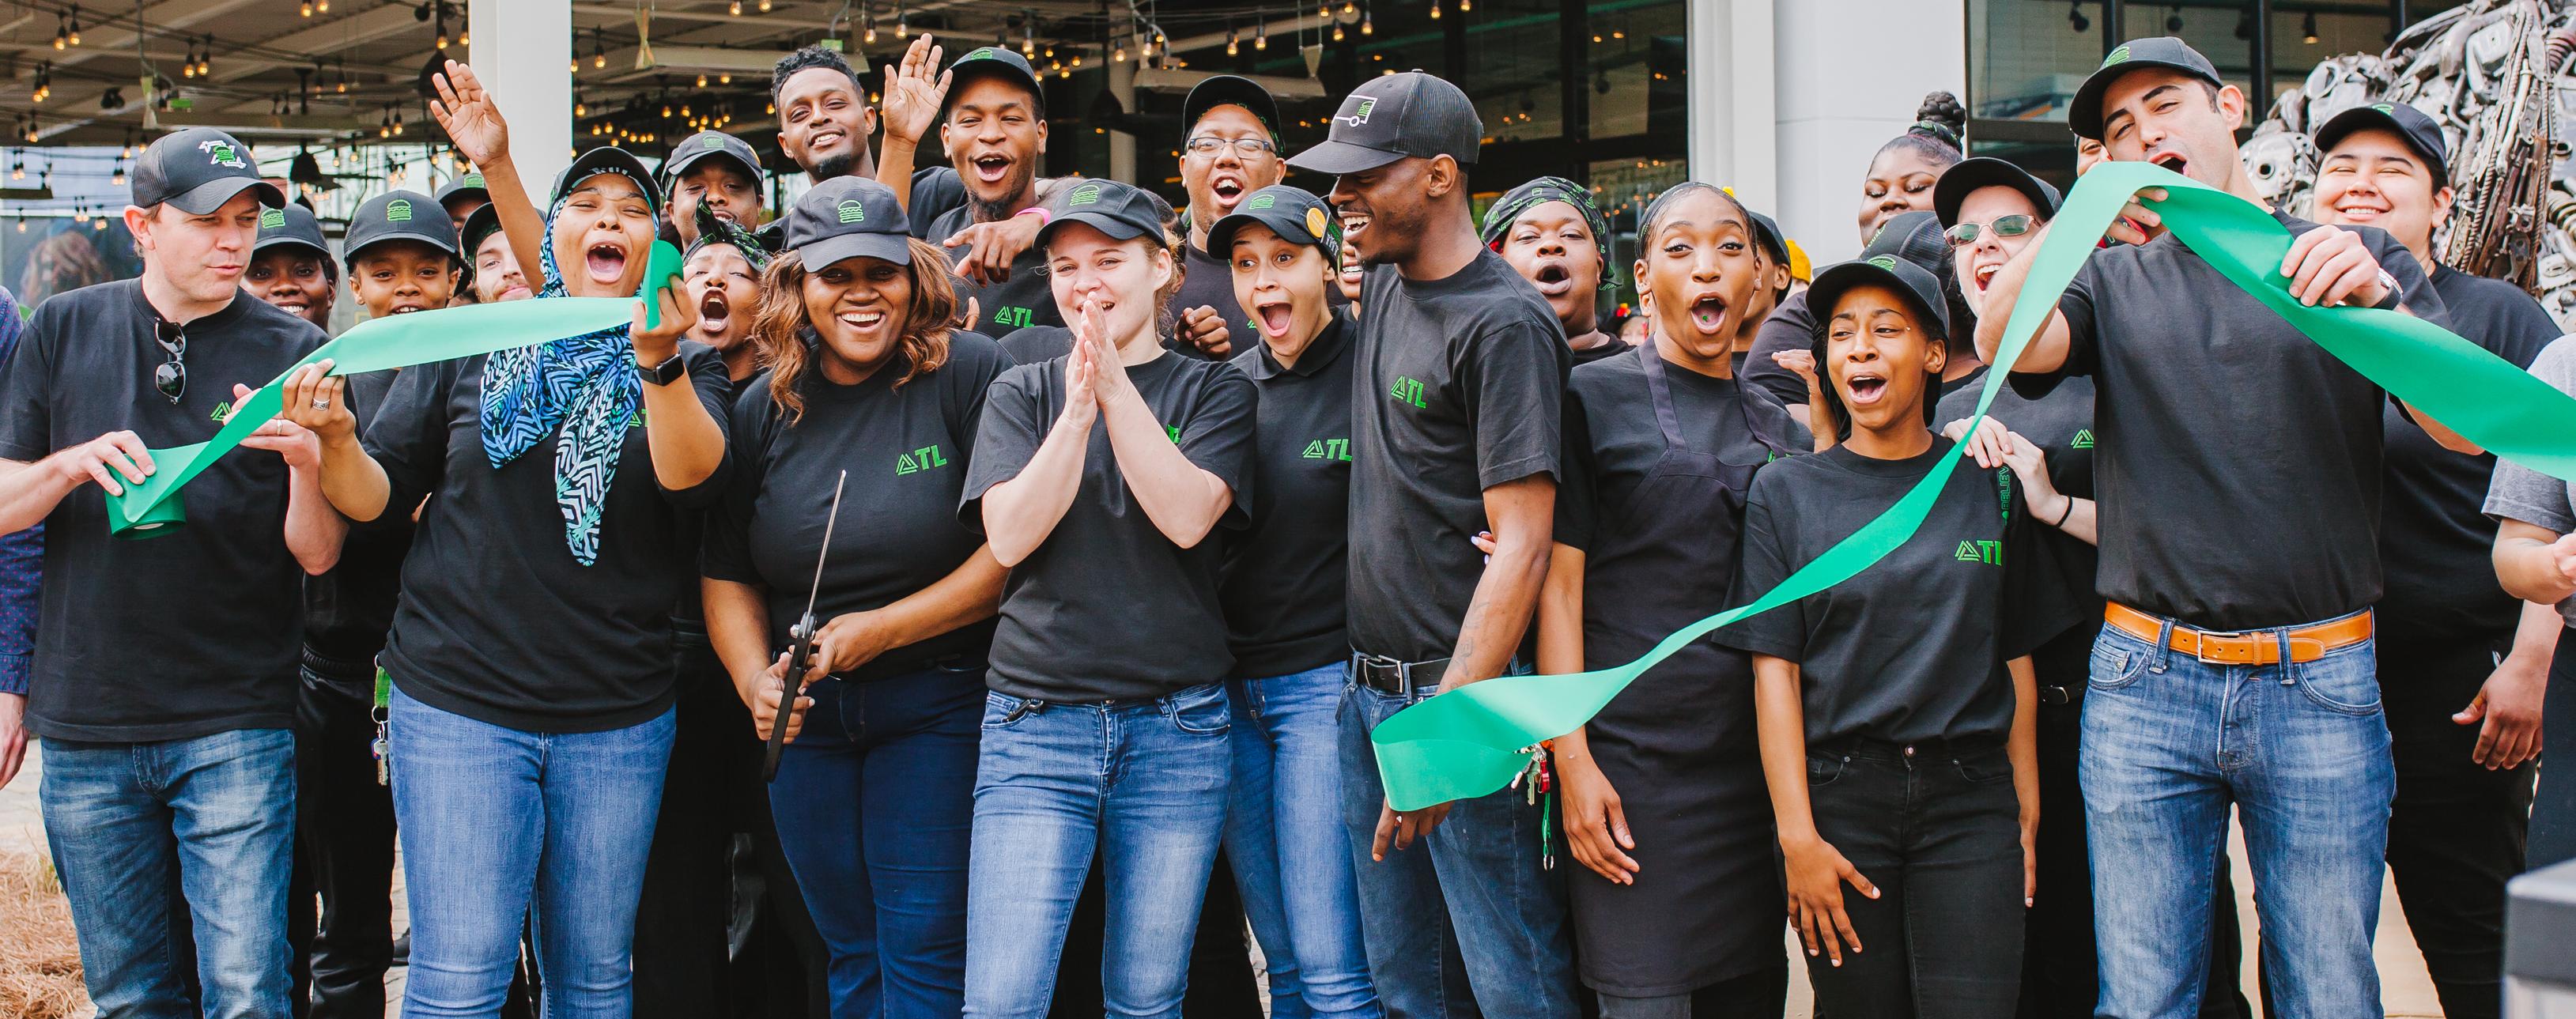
point(40, 969)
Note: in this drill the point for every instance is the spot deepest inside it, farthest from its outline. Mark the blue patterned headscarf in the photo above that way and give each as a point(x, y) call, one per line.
point(584, 390)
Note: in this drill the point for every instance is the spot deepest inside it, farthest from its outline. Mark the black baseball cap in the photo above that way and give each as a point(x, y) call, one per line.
point(992, 62)
point(468, 186)
point(480, 224)
point(703, 145)
point(608, 159)
point(2084, 114)
point(1968, 175)
point(1123, 211)
point(1907, 278)
point(1295, 214)
point(1913, 237)
point(1397, 116)
point(291, 225)
point(1767, 233)
point(198, 170)
point(398, 216)
point(848, 217)
point(2409, 123)
point(1230, 90)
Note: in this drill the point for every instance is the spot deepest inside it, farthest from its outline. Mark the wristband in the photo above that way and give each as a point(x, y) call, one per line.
point(1040, 210)
point(2070, 512)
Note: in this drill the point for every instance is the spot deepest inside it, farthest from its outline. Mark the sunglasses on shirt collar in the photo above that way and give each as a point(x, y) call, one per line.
point(1965, 234)
point(171, 378)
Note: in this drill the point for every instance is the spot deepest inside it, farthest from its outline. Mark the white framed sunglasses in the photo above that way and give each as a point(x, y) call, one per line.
point(2014, 225)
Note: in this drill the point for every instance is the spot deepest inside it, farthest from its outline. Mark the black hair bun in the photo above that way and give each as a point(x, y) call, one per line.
point(1942, 117)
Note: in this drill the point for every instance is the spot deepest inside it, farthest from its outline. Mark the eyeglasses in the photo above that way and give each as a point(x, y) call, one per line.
point(1966, 234)
point(172, 377)
point(1206, 147)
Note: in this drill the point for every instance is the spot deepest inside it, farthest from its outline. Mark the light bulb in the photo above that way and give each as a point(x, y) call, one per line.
point(734, 8)
point(1337, 33)
point(725, 78)
point(1435, 10)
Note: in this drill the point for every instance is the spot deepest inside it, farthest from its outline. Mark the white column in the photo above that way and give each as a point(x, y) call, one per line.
point(1835, 106)
point(1733, 141)
point(520, 48)
point(1122, 146)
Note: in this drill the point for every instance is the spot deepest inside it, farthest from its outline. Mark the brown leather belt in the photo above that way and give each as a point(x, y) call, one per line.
point(2256, 647)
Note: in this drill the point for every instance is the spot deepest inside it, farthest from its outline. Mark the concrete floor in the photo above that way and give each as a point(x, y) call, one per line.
point(2406, 990)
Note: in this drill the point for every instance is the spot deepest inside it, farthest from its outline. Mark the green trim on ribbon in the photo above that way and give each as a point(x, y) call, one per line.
point(152, 508)
point(1470, 741)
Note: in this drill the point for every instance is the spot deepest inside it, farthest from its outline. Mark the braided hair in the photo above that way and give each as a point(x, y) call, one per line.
point(1939, 129)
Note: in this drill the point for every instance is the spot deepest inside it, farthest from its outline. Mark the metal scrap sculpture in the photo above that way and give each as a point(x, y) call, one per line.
point(2500, 77)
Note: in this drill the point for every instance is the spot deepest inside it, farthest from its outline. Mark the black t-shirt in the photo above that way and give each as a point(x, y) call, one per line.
point(1286, 576)
point(348, 610)
point(906, 451)
point(2433, 539)
point(191, 632)
point(1789, 327)
point(1612, 443)
point(498, 622)
point(2061, 423)
point(1911, 648)
point(1038, 343)
point(2239, 470)
point(935, 191)
point(1107, 608)
point(1022, 301)
point(1602, 352)
point(1460, 387)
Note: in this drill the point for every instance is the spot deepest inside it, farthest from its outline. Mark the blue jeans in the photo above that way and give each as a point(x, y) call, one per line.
point(1465, 922)
point(2302, 750)
point(1285, 819)
point(1142, 783)
point(220, 811)
point(875, 802)
point(494, 819)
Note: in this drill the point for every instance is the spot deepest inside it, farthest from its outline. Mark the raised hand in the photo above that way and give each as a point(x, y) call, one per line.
point(1110, 384)
point(914, 88)
point(469, 116)
point(1204, 328)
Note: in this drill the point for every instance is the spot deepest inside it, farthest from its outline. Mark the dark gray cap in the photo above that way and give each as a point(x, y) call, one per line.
point(992, 62)
point(290, 226)
point(398, 216)
point(2084, 113)
point(1295, 214)
point(198, 170)
point(1905, 277)
point(704, 145)
point(1230, 90)
point(1397, 116)
point(608, 159)
point(1968, 175)
point(479, 224)
point(1913, 237)
point(1123, 211)
point(468, 186)
point(2409, 123)
point(848, 217)
point(1766, 232)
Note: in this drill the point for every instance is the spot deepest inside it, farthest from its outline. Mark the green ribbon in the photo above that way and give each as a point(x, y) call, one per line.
point(152, 508)
point(1471, 741)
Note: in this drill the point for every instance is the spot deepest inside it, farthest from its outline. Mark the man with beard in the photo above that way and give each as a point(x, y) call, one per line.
point(1449, 328)
point(291, 267)
point(714, 171)
point(491, 268)
point(993, 123)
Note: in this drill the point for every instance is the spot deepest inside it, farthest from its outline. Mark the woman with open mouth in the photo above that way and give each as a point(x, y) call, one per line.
point(1664, 806)
point(1552, 235)
point(722, 271)
point(530, 715)
point(1099, 478)
point(1895, 710)
point(875, 795)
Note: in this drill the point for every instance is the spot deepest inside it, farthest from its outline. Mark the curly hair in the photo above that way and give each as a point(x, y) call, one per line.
point(1940, 125)
point(807, 59)
point(780, 326)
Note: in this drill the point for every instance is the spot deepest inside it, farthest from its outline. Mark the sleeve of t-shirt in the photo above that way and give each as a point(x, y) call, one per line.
point(2527, 328)
point(1578, 515)
point(2520, 493)
point(2083, 342)
point(2414, 288)
point(974, 361)
point(1790, 327)
point(726, 554)
point(1762, 562)
point(935, 191)
point(26, 392)
point(1218, 436)
point(408, 435)
point(1515, 395)
point(1009, 434)
point(714, 387)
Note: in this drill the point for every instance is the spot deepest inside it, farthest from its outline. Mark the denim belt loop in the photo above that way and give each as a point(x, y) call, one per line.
point(2282, 636)
point(2164, 645)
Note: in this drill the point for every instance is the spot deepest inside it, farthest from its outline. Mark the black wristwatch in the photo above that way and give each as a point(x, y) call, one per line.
point(663, 374)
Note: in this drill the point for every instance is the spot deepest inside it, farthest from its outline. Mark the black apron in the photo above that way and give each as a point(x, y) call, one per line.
point(1679, 743)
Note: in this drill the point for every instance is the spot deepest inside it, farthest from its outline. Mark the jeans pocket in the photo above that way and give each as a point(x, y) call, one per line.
point(2344, 681)
point(2115, 667)
point(1823, 770)
point(1985, 767)
point(1003, 711)
point(1200, 710)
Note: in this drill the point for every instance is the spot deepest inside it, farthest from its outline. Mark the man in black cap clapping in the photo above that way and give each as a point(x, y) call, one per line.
point(164, 670)
point(1449, 329)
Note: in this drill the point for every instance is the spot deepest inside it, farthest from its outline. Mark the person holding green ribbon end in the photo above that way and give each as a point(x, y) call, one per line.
point(1896, 710)
point(164, 670)
point(531, 703)
point(2239, 487)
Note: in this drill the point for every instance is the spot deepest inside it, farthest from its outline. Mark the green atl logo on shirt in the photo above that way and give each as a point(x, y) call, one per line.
point(2083, 439)
point(919, 460)
point(1329, 449)
point(1016, 318)
point(1408, 391)
point(1990, 553)
point(1175, 432)
point(638, 421)
point(222, 410)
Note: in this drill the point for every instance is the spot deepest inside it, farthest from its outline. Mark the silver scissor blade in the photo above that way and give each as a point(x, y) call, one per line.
point(814, 593)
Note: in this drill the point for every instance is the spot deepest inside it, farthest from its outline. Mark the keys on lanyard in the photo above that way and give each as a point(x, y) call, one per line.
point(1540, 792)
point(381, 748)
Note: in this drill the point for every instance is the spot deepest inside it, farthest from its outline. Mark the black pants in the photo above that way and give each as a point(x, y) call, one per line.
point(2455, 833)
point(344, 834)
point(1938, 831)
point(720, 932)
point(2553, 815)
